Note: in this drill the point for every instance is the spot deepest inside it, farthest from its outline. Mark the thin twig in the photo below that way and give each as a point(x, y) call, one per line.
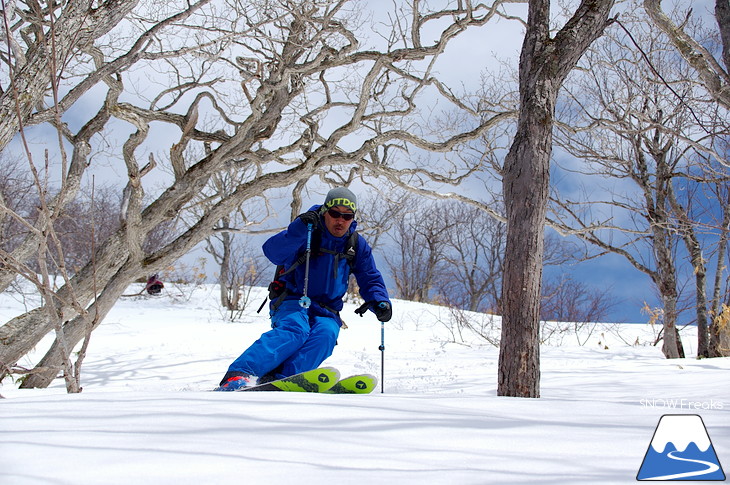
point(656, 72)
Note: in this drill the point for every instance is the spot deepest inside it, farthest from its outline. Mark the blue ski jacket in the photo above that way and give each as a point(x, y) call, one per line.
point(328, 273)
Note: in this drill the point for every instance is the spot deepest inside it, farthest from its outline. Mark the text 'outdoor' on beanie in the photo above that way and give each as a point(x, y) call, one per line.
point(340, 196)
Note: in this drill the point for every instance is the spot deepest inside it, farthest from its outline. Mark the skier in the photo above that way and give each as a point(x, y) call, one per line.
point(303, 334)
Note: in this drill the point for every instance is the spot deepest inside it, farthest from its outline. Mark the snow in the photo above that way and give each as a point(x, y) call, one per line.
point(145, 415)
point(680, 431)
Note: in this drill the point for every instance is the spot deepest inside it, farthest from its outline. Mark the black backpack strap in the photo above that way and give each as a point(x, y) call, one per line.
point(351, 249)
point(277, 288)
point(349, 253)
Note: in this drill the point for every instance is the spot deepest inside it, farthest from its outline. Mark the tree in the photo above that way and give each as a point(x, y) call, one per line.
point(284, 90)
point(91, 214)
point(719, 191)
point(223, 242)
point(420, 238)
point(644, 149)
point(241, 268)
point(545, 61)
point(712, 68)
point(470, 274)
point(452, 253)
point(573, 304)
point(712, 72)
point(16, 197)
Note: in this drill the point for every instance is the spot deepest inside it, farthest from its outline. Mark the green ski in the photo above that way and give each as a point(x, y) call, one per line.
point(359, 384)
point(316, 380)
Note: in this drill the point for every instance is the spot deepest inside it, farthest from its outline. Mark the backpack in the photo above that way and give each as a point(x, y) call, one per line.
point(277, 287)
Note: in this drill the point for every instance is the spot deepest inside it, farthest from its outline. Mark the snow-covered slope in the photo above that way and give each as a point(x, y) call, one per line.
point(146, 416)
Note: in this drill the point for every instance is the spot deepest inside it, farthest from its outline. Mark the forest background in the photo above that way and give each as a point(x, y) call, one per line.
point(136, 133)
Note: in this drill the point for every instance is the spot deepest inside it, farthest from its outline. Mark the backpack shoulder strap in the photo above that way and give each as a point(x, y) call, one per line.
point(351, 249)
point(277, 288)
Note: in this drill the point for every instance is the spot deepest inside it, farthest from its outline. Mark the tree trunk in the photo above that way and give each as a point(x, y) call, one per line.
point(692, 243)
point(670, 346)
point(698, 263)
point(74, 331)
point(714, 330)
point(667, 284)
point(703, 332)
point(544, 63)
point(525, 185)
point(224, 279)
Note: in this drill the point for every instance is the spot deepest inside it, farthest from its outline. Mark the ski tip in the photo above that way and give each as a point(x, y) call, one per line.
point(357, 384)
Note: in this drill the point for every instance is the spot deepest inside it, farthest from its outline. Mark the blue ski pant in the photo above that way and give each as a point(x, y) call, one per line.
point(296, 343)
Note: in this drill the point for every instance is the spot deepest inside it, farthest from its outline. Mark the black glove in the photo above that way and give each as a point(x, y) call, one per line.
point(383, 311)
point(310, 217)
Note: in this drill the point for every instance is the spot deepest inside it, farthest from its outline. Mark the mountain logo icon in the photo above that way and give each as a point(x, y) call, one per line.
point(681, 450)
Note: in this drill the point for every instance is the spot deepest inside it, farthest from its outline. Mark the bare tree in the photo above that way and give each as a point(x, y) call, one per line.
point(628, 130)
point(687, 229)
point(16, 197)
point(719, 191)
point(375, 217)
point(713, 73)
point(453, 252)
point(223, 242)
point(712, 68)
point(573, 306)
point(244, 267)
point(420, 236)
point(242, 83)
point(74, 224)
point(545, 61)
point(471, 273)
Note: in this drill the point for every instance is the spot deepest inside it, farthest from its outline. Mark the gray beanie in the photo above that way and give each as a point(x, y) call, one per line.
point(340, 196)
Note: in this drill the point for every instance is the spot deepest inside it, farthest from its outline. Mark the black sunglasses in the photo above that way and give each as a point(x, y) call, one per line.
point(336, 214)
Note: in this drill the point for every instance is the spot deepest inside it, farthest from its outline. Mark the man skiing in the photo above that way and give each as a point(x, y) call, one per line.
point(306, 303)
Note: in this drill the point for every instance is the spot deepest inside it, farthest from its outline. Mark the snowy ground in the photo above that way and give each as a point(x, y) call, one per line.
point(145, 416)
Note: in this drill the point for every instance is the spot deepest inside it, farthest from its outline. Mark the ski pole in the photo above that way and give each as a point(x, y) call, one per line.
point(361, 311)
point(382, 357)
point(305, 301)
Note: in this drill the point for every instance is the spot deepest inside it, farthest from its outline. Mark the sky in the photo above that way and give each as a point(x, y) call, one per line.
point(487, 52)
point(146, 414)
point(463, 67)
point(479, 53)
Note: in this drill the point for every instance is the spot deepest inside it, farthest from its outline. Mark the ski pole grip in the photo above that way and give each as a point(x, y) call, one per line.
point(305, 301)
point(309, 236)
